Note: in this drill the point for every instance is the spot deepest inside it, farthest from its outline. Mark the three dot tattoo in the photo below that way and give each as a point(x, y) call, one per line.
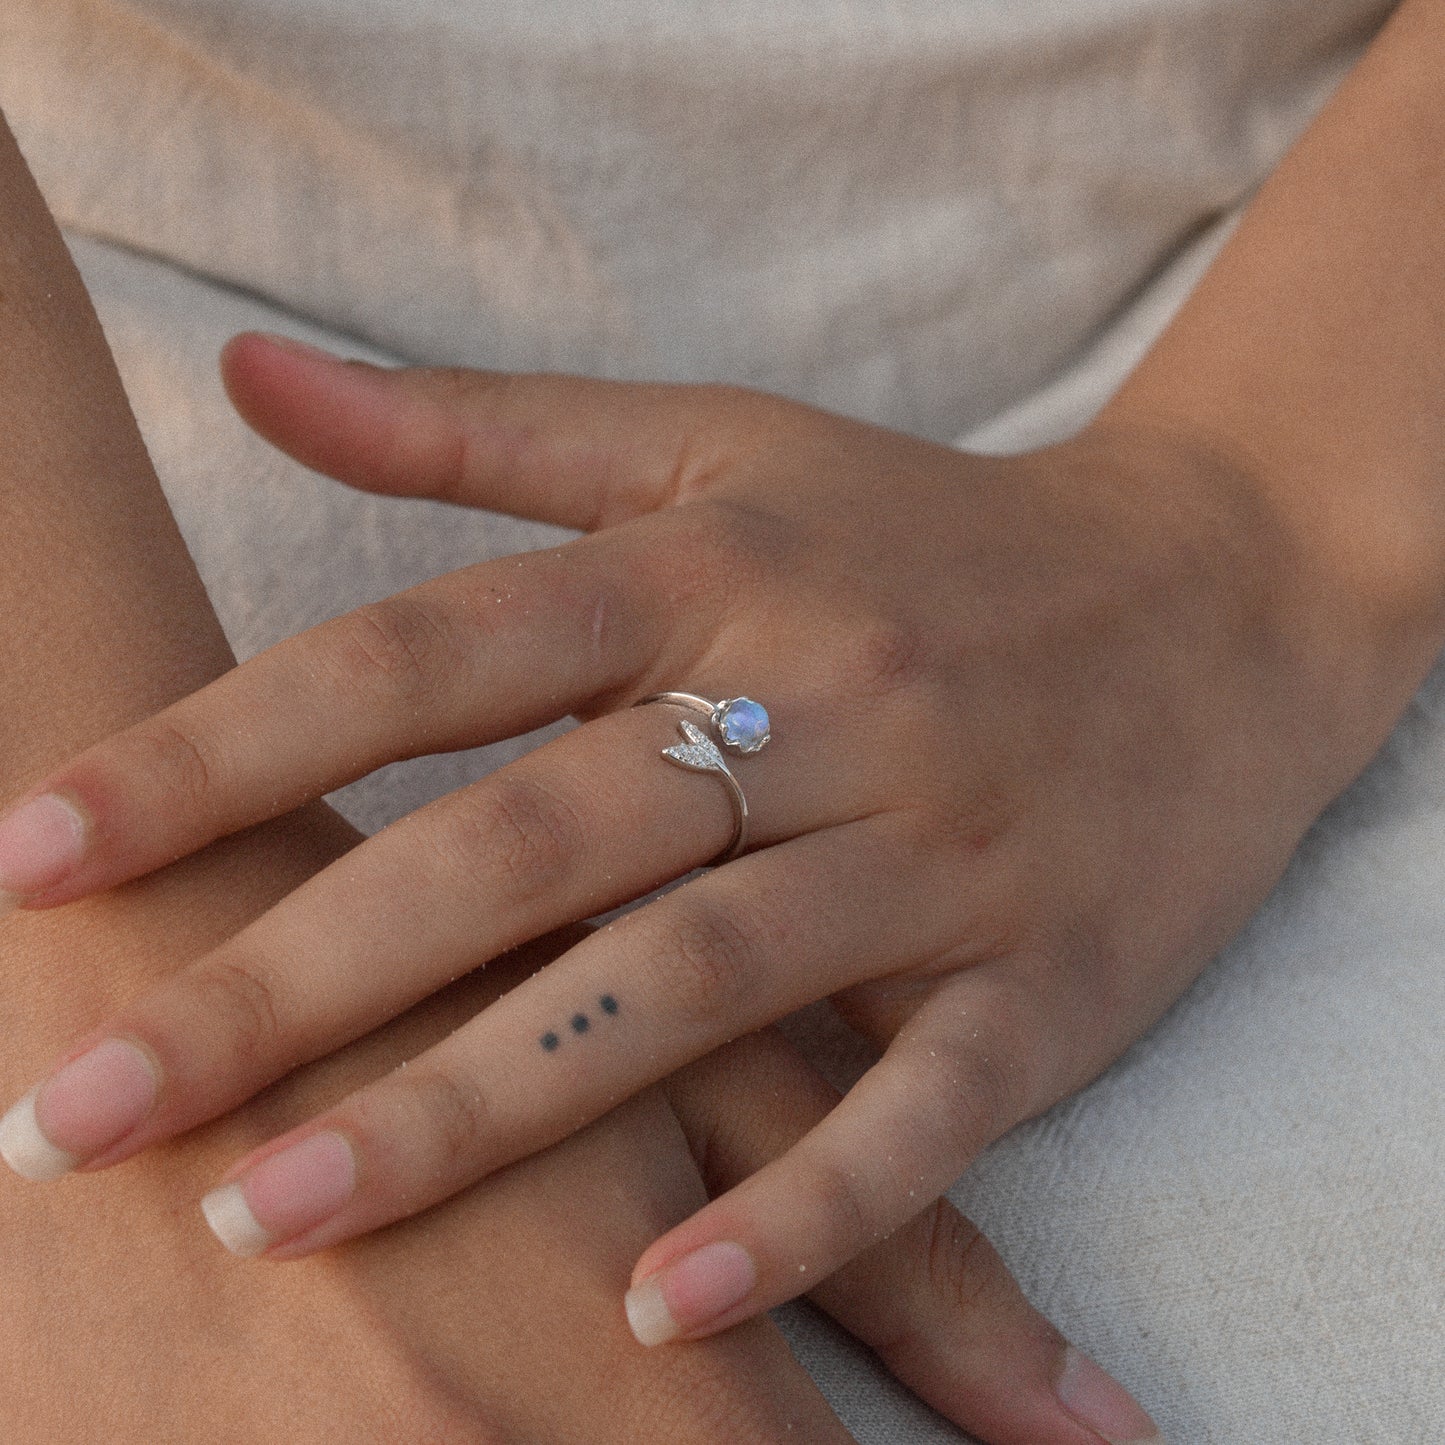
point(580, 1024)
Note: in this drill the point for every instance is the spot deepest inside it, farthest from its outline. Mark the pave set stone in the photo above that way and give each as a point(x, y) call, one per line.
point(737, 723)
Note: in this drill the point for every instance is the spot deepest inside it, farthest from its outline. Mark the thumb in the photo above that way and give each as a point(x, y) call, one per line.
point(934, 1300)
point(571, 450)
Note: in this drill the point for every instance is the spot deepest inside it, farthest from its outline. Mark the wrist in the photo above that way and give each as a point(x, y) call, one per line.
point(1310, 359)
point(1346, 590)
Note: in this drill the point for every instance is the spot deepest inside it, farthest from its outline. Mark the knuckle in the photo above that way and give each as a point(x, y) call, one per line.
point(983, 1080)
point(514, 826)
point(460, 394)
point(397, 648)
point(243, 1001)
point(1079, 967)
point(956, 1256)
point(723, 426)
point(880, 658)
point(962, 829)
point(841, 1203)
point(751, 420)
point(713, 954)
point(181, 756)
point(451, 1112)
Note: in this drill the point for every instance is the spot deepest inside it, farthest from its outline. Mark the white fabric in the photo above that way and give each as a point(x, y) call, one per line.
point(961, 219)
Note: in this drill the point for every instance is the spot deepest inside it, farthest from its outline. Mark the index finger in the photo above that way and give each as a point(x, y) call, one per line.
point(482, 654)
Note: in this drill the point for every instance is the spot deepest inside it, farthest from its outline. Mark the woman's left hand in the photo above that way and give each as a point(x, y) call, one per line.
point(1047, 729)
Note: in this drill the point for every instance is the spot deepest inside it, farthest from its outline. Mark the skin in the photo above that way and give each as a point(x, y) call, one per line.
point(1036, 760)
point(446, 1330)
point(493, 1318)
point(1007, 923)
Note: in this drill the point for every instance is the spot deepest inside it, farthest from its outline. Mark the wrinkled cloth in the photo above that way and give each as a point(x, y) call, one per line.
point(963, 220)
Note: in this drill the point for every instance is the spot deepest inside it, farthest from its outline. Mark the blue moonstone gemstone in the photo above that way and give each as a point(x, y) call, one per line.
point(744, 724)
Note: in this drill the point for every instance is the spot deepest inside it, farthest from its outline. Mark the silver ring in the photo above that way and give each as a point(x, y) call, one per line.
point(738, 723)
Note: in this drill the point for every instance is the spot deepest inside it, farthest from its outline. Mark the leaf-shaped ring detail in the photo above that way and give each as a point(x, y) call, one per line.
point(700, 754)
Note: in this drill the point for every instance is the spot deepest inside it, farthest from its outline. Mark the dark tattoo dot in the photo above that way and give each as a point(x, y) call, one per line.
point(550, 1042)
point(580, 1023)
point(609, 1004)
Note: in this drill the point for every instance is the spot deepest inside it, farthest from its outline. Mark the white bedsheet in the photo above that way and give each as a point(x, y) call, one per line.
point(965, 220)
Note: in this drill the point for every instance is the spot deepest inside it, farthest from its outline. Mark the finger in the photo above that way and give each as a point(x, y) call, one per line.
point(575, 451)
point(588, 821)
point(933, 1299)
point(714, 959)
point(967, 1067)
point(482, 654)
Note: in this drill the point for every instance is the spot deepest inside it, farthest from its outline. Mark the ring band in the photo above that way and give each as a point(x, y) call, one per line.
point(740, 724)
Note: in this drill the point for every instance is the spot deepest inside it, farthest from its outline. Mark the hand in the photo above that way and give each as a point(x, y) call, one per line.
point(1047, 731)
point(494, 1317)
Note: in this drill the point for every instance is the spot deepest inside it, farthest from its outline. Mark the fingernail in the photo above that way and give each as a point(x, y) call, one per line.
point(78, 1112)
point(1102, 1403)
point(26, 1149)
point(283, 1196)
point(40, 843)
point(690, 1293)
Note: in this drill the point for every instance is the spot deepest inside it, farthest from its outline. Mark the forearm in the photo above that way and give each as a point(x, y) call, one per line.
point(1314, 352)
point(102, 616)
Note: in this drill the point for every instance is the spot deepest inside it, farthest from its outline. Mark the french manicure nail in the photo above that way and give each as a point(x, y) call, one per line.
point(232, 1222)
point(79, 1111)
point(690, 1293)
point(40, 843)
point(1102, 1403)
point(283, 1196)
point(24, 1147)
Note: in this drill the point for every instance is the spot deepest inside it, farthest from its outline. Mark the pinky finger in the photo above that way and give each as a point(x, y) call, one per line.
point(895, 1142)
point(934, 1300)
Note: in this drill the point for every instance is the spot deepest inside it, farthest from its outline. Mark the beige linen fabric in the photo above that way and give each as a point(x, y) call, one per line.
point(963, 219)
